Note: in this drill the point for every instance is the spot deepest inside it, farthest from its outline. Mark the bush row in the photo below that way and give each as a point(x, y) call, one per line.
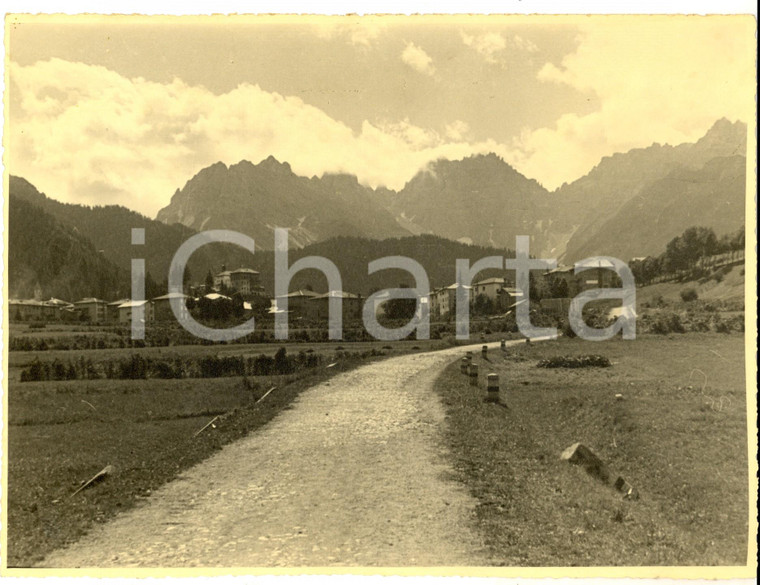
point(137, 367)
point(577, 361)
point(664, 323)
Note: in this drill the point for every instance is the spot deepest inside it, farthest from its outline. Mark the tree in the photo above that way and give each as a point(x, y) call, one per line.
point(209, 280)
point(400, 308)
point(533, 289)
point(558, 288)
point(282, 364)
point(683, 251)
point(483, 305)
point(237, 306)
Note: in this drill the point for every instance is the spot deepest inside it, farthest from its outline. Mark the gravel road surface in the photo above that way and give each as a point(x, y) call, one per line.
point(354, 474)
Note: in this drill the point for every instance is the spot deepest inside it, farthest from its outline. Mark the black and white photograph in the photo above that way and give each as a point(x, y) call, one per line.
point(380, 293)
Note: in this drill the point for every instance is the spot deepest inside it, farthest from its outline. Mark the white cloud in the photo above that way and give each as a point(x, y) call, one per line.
point(655, 80)
point(488, 44)
point(524, 44)
point(417, 59)
point(457, 130)
point(363, 32)
point(87, 135)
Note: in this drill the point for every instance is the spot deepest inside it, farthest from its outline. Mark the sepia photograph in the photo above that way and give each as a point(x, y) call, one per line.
point(379, 294)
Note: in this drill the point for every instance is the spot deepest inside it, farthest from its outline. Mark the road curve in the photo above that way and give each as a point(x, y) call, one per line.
point(354, 474)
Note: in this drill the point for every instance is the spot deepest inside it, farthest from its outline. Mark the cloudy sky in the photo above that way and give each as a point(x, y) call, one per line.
point(111, 110)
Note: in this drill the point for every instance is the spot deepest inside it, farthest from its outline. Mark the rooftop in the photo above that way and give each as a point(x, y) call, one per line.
point(119, 302)
point(173, 295)
point(130, 304)
point(299, 293)
point(215, 297)
point(457, 285)
point(336, 293)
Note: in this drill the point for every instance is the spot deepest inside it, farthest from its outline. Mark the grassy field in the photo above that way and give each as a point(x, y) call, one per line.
point(61, 433)
point(679, 436)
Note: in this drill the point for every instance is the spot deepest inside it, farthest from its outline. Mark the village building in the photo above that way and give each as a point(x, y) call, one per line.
point(297, 302)
point(507, 298)
point(602, 275)
point(564, 274)
point(162, 310)
point(32, 310)
point(94, 310)
point(318, 306)
point(246, 281)
point(223, 279)
point(112, 310)
point(443, 301)
point(126, 309)
point(489, 287)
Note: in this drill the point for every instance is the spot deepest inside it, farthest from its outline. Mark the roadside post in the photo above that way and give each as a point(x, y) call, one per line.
point(473, 374)
point(492, 388)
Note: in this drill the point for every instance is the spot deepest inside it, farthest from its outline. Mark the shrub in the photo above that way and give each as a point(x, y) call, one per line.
point(567, 330)
point(668, 323)
point(580, 361)
point(282, 364)
point(688, 295)
point(263, 365)
point(134, 368)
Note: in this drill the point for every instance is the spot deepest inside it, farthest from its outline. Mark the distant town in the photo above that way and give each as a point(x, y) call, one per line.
point(241, 288)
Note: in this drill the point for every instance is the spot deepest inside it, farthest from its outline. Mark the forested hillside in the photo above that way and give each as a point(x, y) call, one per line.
point(52, 259)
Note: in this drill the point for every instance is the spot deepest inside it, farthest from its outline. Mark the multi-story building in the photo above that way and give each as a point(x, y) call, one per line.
point(95, 310)
point(297, 302)
point(318, 306)
point(125, 311)
point(112, 310)
point(246, 281)
point(162, 310)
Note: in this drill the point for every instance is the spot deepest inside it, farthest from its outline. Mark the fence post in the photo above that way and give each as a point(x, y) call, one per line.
point(473, 374)
point(484, 351)
point(492, 388)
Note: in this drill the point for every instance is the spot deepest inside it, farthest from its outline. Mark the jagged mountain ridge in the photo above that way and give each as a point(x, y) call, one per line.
point(254, 199)
point(480, 199)
point(711, 196)
point(585, 205)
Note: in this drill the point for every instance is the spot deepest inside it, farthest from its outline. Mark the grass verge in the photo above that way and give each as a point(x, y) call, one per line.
point(678, 435)
point(63, 433)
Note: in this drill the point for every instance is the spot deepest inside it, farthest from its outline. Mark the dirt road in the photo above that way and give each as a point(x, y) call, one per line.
point(355, 473)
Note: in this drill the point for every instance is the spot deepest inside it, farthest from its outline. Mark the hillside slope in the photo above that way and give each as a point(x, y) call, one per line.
point(109, 230)
point(53, 260)
point(584, 207)
point(712, 196)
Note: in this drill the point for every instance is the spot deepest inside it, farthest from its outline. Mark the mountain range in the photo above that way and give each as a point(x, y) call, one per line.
point(631, 204)
point(254, 199)
point(483, 200)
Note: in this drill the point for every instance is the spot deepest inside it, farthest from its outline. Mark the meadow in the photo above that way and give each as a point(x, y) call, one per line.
point(63, 432)
point(677, 432)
